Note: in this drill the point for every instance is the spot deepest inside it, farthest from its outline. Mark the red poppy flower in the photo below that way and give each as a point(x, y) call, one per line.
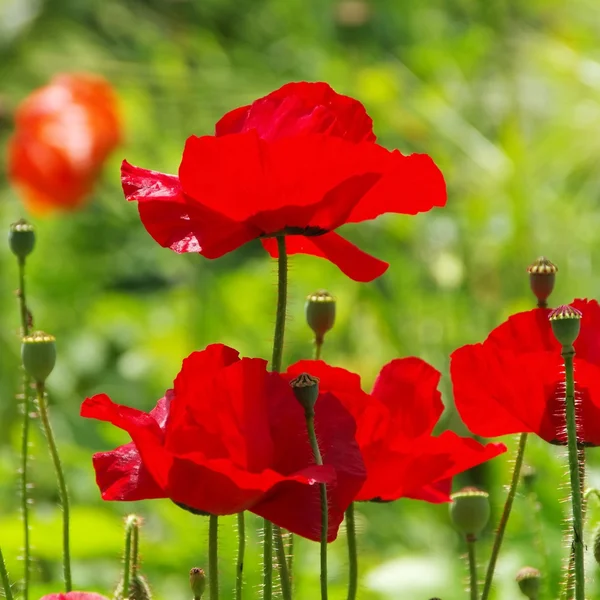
point(229, 437)
point(300, 162)
point(64, 132)
point(74, 596)
point(394, 430)
point(514, 381)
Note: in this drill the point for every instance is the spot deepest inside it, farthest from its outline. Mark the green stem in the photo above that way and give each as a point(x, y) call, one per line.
point(282, 564)
point(213, 557)
point(472, 567)
point(489, 576)
point(314, 444)
point(135, 549)
point(5, 580)
point(282, 268)
point(239, 571)
point(567, 354)
point(60, 477)
point(127, 562)
point(25, 438)
point(352, 555)
point(267, 559)
point(290, 555)
point(318, 346)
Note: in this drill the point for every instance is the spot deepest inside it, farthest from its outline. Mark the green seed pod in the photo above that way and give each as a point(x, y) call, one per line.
point(306, 390)
point(320, 313)
point(197, 582)
point(566, 323)
point(542, 275)
point(597, 545)
point(21, 238)
point(38, 353)
point(528, 579)
point(470, 511)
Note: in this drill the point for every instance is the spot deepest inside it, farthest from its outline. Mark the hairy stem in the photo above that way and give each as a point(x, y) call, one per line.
point(282, 564)
point(60, 477)
point(512, 490)
point(472, 568)
point(352, 555)
point(239, 571)
point(213, 557)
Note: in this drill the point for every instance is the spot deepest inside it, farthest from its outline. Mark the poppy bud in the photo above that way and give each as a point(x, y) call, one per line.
point(320, 313)
point(21, 238)
point(38, 353)
point(566, 322)
point(542, 274)
point(138, 589)
point(528, 579)
point(597, 545)
point(306, 390)
point(470, 511)
point(197, 582)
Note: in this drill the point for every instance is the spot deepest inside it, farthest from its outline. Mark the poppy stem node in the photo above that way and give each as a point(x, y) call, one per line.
point(197, 582)
point(529, 580)
point(542, 275)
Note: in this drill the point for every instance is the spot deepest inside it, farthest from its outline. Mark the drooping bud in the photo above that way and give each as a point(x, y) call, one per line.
point(306, 390)
point(197, 582)
point(528, 579)
point(21, 238)
point(38, 353)
point(470, 511)
point(566, 323)
point(320, 313)
point(542, 275)
point(138, 589)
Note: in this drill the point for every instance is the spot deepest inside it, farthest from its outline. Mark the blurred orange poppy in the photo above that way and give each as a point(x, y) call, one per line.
point(64, 132)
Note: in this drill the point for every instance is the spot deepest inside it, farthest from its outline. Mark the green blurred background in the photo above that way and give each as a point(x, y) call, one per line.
point(503, 94)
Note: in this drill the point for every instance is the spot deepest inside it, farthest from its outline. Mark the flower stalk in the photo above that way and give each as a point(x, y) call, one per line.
point(239, 570)
point(213, 557)
point(512, 490)
point(60, 477)
point(473, 587)
point(352, 554)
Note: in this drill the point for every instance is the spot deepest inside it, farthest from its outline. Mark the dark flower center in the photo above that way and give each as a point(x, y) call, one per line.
point(309, 231)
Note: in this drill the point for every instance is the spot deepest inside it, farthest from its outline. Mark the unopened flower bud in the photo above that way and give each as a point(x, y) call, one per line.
point(138, 589)
point(566, 323)
point(197, 582)
point(542, 275)
point(528, 579)
point(470, 511)
point(306, 390)
point(38, 353)
point(21, 238)
point(320, 313)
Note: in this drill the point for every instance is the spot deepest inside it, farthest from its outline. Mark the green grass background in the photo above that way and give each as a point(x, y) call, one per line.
point(503, 94)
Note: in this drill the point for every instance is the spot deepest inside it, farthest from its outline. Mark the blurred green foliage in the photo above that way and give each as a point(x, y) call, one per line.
point(503, 94)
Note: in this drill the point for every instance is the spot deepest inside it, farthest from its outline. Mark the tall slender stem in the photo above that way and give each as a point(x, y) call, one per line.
point(25, 437)
point(60, 477)
point(5, 580)
point(352, 555)
point(276, 360)
point(213, 557)
point(127, 561)
point(239, 571)
point(576, 496)
point(512, 490)
point(282, 564)
point(318, 346)
point(471, 541)
point(314, 444)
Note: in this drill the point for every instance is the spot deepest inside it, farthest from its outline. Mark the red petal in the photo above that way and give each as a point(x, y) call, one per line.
point(409, 185)
point(421, 469)
point(587, 345)
point(174, 222)
point(298, 109)
point(352, 261)
point(408, 388)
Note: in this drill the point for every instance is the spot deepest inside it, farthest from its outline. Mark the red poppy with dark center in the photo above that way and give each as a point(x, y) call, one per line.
point(394, 430)
point(64, 132)
point(514, 381)
point(229, 437)
point(301, 162)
